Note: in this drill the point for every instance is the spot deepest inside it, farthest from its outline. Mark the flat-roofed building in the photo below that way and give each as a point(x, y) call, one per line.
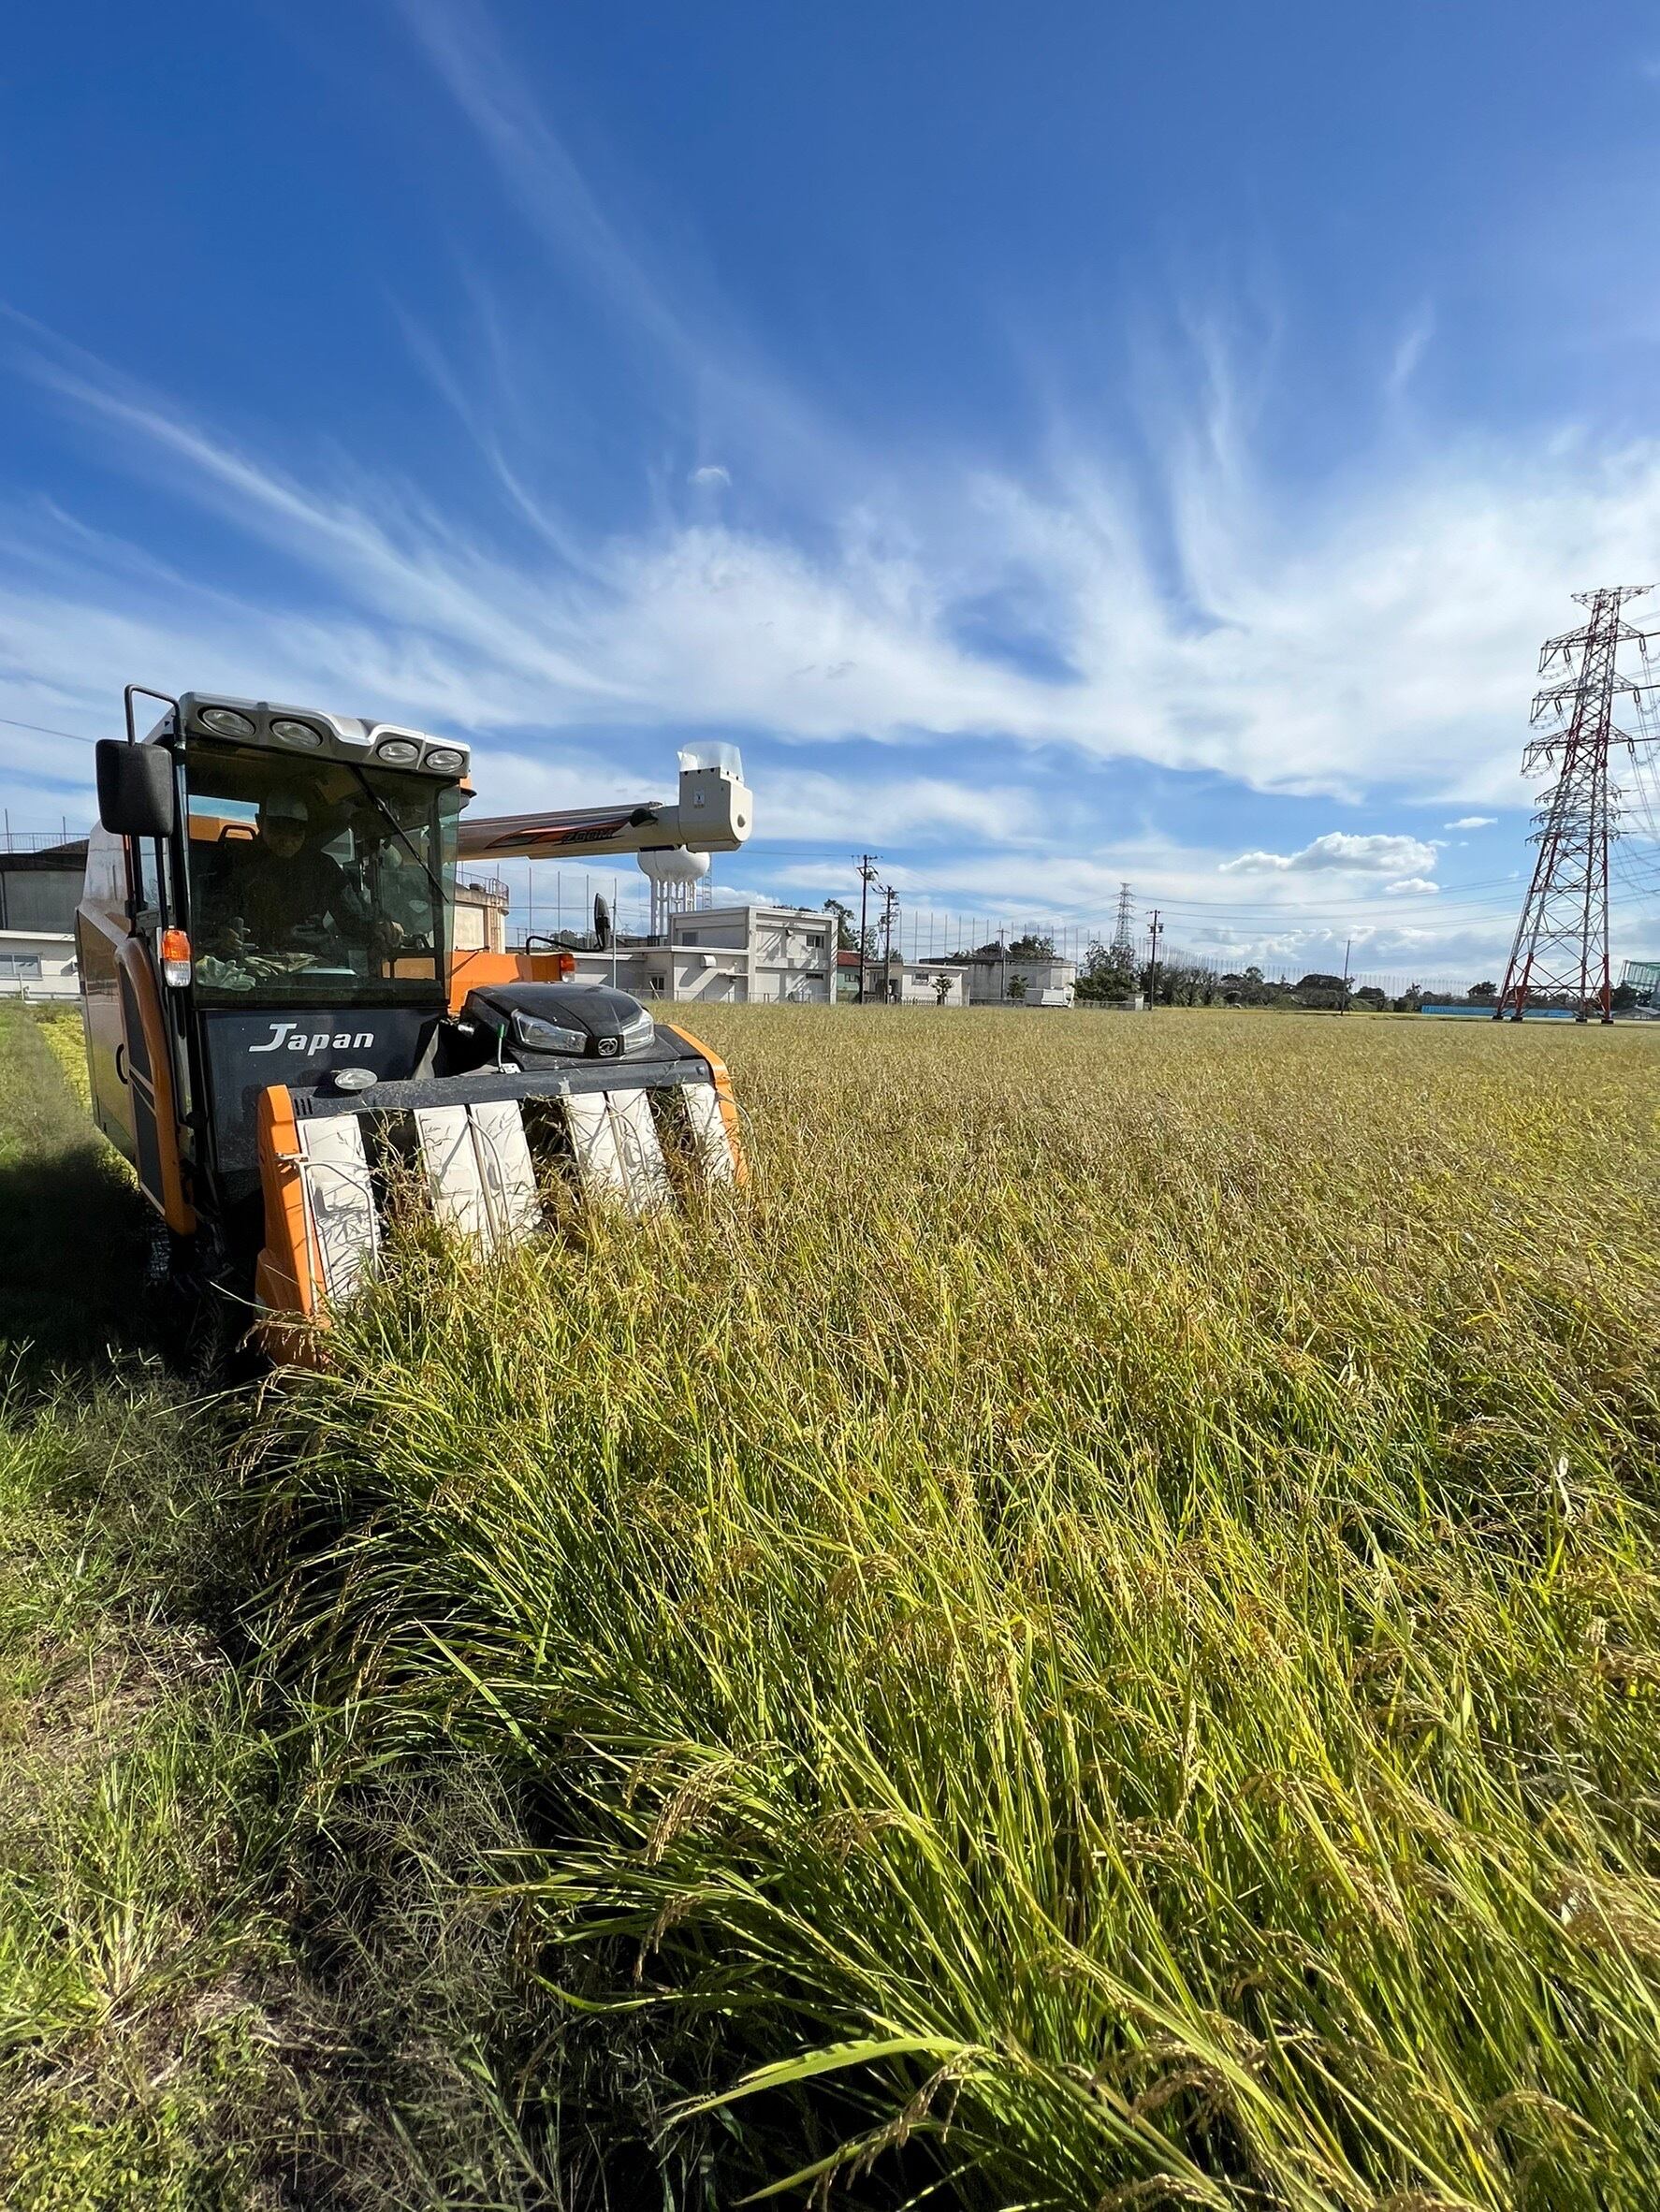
point(38, 964)
point(1020, 980)
point(40, 880)
point(756, 955)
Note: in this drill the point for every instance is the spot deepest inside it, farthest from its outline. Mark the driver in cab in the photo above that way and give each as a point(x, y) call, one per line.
point(278, 893)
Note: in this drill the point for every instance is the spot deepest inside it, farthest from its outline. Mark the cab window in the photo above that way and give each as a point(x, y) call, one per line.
point(317, 881)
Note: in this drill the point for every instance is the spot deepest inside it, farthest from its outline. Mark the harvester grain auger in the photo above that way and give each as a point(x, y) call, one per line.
point(280, 1031)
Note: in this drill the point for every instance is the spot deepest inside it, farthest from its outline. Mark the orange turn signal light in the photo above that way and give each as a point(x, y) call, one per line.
point(175, 957)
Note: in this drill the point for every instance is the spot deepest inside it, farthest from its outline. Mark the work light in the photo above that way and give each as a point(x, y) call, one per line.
point(300, 733)
point(446, 760)
point(398, 753)
point(225, 721)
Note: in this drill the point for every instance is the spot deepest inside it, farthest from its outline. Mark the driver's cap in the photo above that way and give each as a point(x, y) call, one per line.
point(284, 806)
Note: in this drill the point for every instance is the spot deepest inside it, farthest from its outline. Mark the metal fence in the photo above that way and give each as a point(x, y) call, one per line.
point(42, 987)
point(21, 840)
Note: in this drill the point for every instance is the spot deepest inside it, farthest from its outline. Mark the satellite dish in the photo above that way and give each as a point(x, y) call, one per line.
point(602, 922)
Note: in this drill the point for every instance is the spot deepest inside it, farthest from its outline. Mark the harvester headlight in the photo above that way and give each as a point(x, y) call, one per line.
point(225, 721)
point(298, 734)
point(398, 753)
point(638, 1034)
point(546, 1037)
point(446, 760)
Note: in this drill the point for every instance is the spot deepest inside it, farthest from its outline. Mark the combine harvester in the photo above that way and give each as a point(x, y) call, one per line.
point(279, 1032)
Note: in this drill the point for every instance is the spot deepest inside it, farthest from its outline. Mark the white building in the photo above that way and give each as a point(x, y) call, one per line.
point(993, 981)
point(38, 964)
point(754, 955)
point(904, 982)
point(480, 914)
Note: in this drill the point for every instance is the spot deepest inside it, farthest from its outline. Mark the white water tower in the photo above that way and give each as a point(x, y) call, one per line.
point(674, 874)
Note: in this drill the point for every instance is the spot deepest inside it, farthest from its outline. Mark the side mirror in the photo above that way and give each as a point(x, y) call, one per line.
point(135, 793)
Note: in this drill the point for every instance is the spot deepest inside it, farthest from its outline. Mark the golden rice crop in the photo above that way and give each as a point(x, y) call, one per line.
point(1093, 1634)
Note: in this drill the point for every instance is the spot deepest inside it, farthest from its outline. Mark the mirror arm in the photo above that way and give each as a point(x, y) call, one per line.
point(143, 691)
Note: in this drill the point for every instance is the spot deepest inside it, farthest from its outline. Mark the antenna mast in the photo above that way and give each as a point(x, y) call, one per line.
point(1562, 939)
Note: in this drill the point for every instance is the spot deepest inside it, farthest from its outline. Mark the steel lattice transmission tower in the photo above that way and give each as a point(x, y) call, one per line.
point(1562, 939)
point(1123, 946)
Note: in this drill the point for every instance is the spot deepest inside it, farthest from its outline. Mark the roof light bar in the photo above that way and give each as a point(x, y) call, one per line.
point(258, 722)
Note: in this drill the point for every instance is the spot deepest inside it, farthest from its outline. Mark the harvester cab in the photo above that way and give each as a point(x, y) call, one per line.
point(280, 1031)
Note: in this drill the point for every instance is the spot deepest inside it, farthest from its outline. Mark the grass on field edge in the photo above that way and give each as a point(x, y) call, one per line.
point(235, 1970)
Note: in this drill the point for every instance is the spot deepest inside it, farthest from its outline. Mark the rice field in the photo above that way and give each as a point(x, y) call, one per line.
point(1089, 1640)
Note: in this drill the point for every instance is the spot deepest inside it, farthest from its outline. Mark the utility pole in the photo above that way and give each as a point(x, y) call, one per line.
point(866, 867)
point(1347, 943)
point(1562, 939)
point(1153, 962)
point(890, 908)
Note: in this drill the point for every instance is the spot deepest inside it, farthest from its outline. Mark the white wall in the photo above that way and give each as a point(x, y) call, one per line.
point(918, 982)
point(1048, 982)
point(792, 954)
point(38, 964)
point(763, 954)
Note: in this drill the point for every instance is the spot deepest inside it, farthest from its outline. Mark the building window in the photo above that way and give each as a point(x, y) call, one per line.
point(816, 943)
point(21, 967)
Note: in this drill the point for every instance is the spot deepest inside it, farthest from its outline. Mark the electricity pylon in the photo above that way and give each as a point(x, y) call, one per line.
point(1562, 939)
point(1123, 946)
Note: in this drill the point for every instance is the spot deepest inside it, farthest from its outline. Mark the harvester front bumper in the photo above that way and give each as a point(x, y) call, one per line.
point(484, 1150)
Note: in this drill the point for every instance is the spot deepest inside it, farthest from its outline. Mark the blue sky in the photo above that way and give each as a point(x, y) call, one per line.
point(1059, 443)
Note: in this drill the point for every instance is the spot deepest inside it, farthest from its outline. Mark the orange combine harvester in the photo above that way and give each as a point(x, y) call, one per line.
point(280, 1030)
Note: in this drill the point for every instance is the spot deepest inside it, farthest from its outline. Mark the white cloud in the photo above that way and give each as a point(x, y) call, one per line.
point(512, 783)
point(796, 804)
point(1467, 821)
point(1374, 631)
point(1338, 849)
point(732, 894)
point(1381, 639)
point(1414, 343)
point(1415, 884)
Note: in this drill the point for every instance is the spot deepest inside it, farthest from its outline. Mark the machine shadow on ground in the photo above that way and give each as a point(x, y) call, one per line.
point(72, 1248)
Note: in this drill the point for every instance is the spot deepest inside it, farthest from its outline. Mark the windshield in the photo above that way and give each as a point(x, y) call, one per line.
point(318, 880)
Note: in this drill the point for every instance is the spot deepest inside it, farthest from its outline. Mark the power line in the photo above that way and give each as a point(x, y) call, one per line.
point(44, 730)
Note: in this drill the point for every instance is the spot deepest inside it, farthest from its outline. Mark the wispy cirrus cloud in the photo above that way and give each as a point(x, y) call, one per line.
point(1365, 636)
point(1377, 645)
point(1409, 352)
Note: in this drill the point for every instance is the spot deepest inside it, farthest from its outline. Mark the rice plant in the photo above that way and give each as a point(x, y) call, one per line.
point(1090, 1640)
